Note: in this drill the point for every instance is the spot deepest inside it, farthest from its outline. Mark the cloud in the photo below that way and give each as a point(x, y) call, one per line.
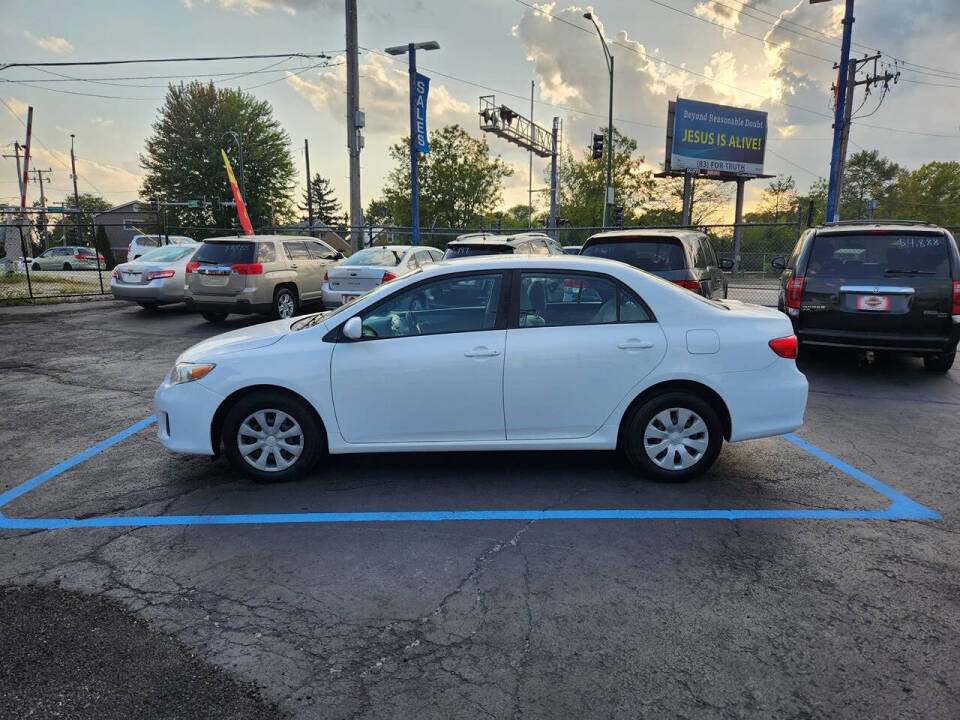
point(50, 43)
point(18, 106)
point(101, 121)
point(385, 94)
point(727, 15)
point(291, 7)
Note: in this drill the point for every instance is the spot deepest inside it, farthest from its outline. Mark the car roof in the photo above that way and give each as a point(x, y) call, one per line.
point(255, 238)
point(396, 248)
point(681, 234)
point(546, 262)
point(903, 226)
point(494, 239)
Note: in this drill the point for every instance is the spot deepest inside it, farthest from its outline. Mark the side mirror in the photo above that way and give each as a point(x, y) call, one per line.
point(338, 255)
point(726, 264)
point(353, 328)
point(779, 263)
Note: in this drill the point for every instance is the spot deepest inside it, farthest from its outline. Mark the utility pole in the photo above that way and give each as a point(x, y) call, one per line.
point(530, 160)
point(553, 177)
point(839, 114)
point(306, 154)
point(43, 205)
point(76, 195)
point(355, 121)
point(16, 154)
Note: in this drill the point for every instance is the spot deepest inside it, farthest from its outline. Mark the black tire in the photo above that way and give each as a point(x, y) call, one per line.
point(67, 266)
point(147, 305)
point(939, 363)
point(35, 267)
point(640, 416)
point(285, 303)
point(214, 316)
point(313, 438)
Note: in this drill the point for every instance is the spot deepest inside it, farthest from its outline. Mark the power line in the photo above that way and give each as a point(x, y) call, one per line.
point(320, 54)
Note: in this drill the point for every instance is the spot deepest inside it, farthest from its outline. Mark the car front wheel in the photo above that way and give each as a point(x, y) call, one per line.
point(272, 437)
point(672, 437)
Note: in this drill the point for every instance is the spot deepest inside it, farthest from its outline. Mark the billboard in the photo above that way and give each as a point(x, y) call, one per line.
point(716, 139)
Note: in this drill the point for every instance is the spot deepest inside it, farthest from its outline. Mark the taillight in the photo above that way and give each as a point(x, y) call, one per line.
point(688, 284)
point(115, 274)
point(157, 274)
point(794, 292)
point(247, 269)
point(78, 256)
point(955, 305)
point(100, 257)
point(192, 267)
point(388, 276)
point(325, 278)
point(785, 347)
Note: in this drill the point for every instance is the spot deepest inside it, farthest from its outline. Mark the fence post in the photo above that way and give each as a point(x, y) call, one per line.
point(26, 265)
point(96, 250)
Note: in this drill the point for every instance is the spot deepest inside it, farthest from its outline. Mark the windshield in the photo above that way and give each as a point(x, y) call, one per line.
point(379, 257)
point(310, 321)
point(166, 254)
point(461, 251)
point(225, 253)
point(650, 255)
point(879, 255)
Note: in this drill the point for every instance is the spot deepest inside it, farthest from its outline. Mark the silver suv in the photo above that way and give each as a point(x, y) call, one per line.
point(266, 274)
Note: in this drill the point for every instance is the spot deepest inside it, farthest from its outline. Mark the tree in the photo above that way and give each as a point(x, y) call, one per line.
point(102, 244)
point(326, 206)
point(183, 160)
point(460, 182)
point(379, 212)
point(74, 229)
point(780, 198)
point(931, 193)
point(866, 175)
point(583, 179)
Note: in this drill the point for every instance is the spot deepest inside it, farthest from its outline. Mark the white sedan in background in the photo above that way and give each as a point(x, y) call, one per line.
point(513, 352)
point(372, 266)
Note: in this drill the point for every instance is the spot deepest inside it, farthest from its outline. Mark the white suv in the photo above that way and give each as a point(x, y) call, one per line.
point(145, 243)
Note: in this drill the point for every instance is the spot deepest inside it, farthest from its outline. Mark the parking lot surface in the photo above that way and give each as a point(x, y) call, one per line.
point(536, 618)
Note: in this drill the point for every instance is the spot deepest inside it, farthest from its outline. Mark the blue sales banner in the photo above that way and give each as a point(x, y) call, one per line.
point(718, 138)
point(422, 83)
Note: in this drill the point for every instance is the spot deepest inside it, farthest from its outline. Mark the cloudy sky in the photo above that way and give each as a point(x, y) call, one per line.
point(773, 55)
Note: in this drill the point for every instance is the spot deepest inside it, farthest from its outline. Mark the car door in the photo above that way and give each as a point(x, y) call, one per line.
point(714, 274)
point(571, 361)
point(309, 272)
point(425, 371)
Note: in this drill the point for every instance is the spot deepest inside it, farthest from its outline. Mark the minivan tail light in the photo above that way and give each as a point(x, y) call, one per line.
point(955, 305)
point(247, 269)
point(785, 347)
point(688, 284)
point(192, 267)
point(388, 276)
point(794, 292)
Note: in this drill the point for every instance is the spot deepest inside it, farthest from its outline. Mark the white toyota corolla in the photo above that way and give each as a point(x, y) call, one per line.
point(514, 352)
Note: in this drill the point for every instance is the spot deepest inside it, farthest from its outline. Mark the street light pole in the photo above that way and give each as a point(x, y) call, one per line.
point(239, 140)
point(608, 190)
point(411, 50)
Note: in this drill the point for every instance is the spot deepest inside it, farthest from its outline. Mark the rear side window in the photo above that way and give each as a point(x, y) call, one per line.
point(566, 299)
point(708, 252)
point(86, 251)
point(879, 255)
point(653, 256)
point(266, 252)
point(225, 253)
point(460, 251)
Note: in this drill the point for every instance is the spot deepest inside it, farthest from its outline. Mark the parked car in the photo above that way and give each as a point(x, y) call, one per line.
point(891, 286)
point(529, 243)
point(630, 361)
point(69, 257)
point(266, 274)
point(572, 249)
point(367, 268)
point(683, 257)
point(141, 244)
point(155, 278)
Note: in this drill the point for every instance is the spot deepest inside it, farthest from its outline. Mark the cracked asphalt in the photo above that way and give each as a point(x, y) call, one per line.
point(505, 619)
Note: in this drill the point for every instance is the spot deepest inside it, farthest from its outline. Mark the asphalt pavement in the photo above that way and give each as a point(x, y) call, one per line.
point(788, 618)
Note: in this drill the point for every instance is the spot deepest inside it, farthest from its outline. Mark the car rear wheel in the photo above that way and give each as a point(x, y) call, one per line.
point(36, 266)
point(214, 316)
point(672, 437)
point(939, 363)
point(272, 437)
point(66, 266)
point(284, 303)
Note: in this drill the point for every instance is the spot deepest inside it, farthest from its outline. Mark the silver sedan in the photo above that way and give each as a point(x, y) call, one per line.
point(155, 278)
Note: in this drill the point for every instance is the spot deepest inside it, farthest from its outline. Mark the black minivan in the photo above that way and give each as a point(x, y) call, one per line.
point(868, 285)
point(684, 257)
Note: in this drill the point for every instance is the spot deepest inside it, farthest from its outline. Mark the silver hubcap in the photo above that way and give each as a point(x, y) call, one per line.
point(285, 305)
point(270, 440)
point(676, 438)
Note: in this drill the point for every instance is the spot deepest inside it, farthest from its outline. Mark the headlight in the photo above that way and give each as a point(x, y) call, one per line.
point(188, 372)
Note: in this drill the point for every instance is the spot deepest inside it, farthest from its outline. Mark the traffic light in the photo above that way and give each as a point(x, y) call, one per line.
point(618, 216)
point(156, 203)
point(597, 146)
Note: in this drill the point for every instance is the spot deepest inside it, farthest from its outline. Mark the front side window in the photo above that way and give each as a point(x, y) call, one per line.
point(563, 299)
point(320, 251)
point(296, 250)
point(462, 303)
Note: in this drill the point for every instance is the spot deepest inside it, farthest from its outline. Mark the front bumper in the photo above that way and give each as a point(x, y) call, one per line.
point(185, 416)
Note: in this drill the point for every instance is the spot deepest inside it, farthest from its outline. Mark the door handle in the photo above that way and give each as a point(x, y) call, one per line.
point(635, 345)
point(293, 265)
point(481, 352)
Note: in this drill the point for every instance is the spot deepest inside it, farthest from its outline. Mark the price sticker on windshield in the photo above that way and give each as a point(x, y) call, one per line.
point(873, 302)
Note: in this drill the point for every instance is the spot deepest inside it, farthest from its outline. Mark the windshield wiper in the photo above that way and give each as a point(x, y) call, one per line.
point(908, 272)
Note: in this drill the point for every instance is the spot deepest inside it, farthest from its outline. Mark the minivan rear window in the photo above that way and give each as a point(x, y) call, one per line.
point(225, 253)
point(879, 255)
point(649, 255)
point(461, 251)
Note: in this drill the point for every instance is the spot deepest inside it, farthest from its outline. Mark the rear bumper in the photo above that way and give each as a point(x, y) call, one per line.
point(154, 291)
point(238, 307)
point(334, 298)
point(765, 402)
point(893, 342)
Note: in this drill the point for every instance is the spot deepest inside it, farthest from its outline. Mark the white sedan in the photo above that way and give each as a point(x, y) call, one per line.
point(514, 352)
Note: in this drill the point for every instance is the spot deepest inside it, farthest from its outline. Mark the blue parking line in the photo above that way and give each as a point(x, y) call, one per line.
point(901, 507)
